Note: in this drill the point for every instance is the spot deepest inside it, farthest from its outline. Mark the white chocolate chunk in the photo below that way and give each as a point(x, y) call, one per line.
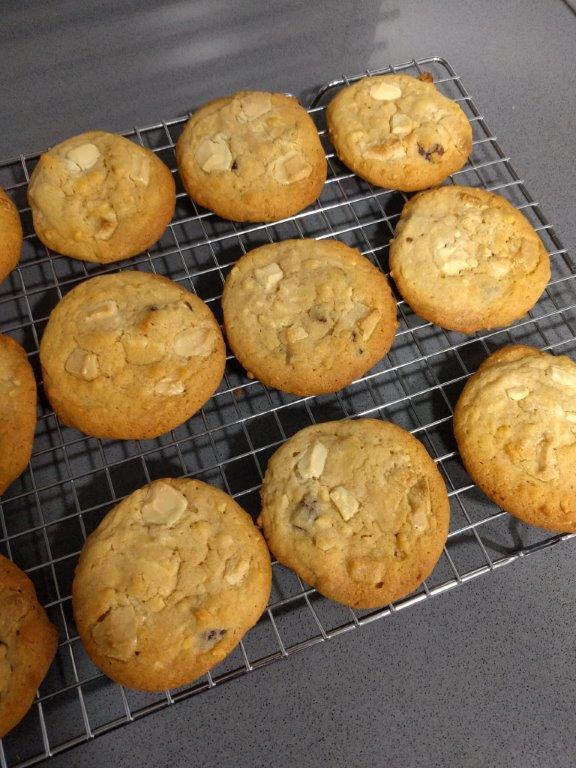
point(291, 167)
point(400, 124)
point(164, 505)
point(420, 521)
point(116, 632)
point(141, 350)
point(169, 387)
point(454, 267)
point(517, 393)
point(213, 154)
point(236, 570)
point(296, 333)
point(345, 502)
point(83, 156)
point(107, 223)
point(269, 275)
point(253, 106)
point(368, 324)
point(84, 365)
point(563, 376)
point(104, 310)
point(571, 416)
point(140, 168)
point(499, 267)
point(195, 342)
point(391, 150)
point(312, 461)
point(383, 91)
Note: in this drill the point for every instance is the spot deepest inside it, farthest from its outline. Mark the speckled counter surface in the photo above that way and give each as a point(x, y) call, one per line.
point(482, 676)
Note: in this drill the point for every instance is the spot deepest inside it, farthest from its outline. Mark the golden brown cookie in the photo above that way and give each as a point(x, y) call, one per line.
point(169, 583)
point(308, 316)
point(515, 425)
point(17, 411)
point(130, 356)
point(398, 131)
point(253, 156)
point(357, 508)
point(467, 259)
point(28, 643)
point(10, 235)
point(100, 197)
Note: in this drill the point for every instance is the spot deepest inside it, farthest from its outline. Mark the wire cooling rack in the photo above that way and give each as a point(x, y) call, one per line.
point(73, 480)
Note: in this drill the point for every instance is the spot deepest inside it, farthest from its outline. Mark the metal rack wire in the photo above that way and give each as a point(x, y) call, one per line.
point(73, 480)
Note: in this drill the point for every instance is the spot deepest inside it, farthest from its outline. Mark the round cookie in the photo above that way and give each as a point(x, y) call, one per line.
point(357, 508)
point(308, 316)
point(253, 156)
point(515, 425)
point(100, 197)
point(28, 643)
point(169, 583)
point(398, 131)
point(10, 235)
point(467, 259)
point(130, 356)
point(17, 411)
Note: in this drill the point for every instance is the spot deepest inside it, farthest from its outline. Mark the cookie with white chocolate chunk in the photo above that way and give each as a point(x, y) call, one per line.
point(17, 411)
point(169, 583)
point(515, 425)
point(11, 235)
point(100, 197)
point(253, 156)
point(398, 131)
point(28, 643)
point(467, 259)
point(130, 356)
point(308, 316)
point(357, 508)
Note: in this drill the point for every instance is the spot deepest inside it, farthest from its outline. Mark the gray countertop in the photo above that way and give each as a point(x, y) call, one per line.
point(481, 676)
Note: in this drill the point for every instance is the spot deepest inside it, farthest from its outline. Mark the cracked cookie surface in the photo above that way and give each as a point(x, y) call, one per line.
point(17, 411)
point(169, 583)
point(398, 131)
point(357, 508)
point(130, 356)
point(10, 235)
point(28, 643)
point(515, 425)
point(253, 156)
point(308, 316)
point(100, 197)
point(467, 259)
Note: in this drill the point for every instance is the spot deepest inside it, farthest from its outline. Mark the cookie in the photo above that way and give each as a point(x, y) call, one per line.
point(130, 356)
point(308, 316)
point(28, 643)
point(100, 197)
point(398, 131)
point(169, 583)
point(17, 411)
point(515, 425)
point(357, 508)
point(10, 235)
point(467, 259)
point(253, 156)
